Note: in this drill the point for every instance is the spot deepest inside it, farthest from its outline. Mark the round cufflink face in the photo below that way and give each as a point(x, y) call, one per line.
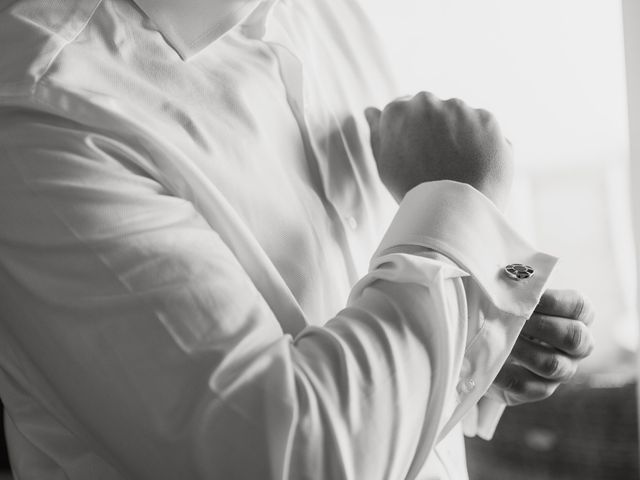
point(518, 271)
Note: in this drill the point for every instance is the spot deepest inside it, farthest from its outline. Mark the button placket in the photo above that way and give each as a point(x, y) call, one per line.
point(295, 80)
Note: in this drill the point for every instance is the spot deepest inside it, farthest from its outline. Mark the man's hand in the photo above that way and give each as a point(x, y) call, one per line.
point(425, 139)
point(548, 350)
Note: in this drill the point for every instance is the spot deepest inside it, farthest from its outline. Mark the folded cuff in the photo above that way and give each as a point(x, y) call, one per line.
point(458, 221)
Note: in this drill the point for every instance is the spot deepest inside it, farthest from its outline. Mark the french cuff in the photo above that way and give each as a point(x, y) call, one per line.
point(482, 420)
point(458, 221)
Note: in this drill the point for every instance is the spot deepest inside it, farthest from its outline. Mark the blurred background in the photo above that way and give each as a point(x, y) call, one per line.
point(555, 74)
point(563, 78)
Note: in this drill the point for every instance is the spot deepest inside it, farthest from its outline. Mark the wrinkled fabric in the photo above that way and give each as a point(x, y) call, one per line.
point(189, 212)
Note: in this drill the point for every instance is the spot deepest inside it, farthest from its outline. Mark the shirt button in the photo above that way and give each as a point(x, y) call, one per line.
point(518, 271)
point(466, 386)
point(351, 222)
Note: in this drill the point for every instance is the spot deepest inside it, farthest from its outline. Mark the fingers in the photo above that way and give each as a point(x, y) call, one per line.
point(424, 101)
point(418, 104)
point(424, 139)
point(522, 386)
point(549, 349)
point(372, 114)
point(567, 335)
point(566, 303)
point(544, 361)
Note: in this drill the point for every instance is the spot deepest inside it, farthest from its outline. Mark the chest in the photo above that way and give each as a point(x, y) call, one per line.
point(267, 128)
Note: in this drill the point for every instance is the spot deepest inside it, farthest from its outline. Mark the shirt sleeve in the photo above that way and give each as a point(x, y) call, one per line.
point(133, 324)
point(468, 229)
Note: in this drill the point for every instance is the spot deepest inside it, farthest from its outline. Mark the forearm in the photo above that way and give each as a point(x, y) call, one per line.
point(397, 351)
point(139, 331)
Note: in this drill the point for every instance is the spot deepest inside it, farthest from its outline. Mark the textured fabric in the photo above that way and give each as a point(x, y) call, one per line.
point(186, 234)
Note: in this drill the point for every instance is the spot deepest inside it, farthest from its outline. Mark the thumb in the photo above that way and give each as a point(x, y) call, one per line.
point(372, 114)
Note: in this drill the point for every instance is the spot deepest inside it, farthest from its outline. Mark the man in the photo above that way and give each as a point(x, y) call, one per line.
point(188, 204)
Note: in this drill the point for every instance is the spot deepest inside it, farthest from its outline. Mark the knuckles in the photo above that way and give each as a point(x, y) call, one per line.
point(545, 362)
point(578, 340)
point(566, 303)
point(551, 367)
point(427, 98)
point(558, 368)
point(524, 390)
point(573, 339)
point(567, 334)
point(514, 384)
point(394, 109)
point(522, 386)
point(456, 103)
point(423, 138)
point(542, 324)
point(579, 305)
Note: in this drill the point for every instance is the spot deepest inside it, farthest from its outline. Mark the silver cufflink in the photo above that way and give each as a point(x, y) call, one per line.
point(518, 271)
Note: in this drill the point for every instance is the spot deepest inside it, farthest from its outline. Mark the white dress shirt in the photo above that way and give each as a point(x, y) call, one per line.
point(188, 212)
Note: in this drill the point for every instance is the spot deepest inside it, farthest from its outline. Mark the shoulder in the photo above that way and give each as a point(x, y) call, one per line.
point(75, 59)
point(32, 35)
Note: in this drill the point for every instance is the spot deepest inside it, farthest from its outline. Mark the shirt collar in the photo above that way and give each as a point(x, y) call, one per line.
point(191, 25)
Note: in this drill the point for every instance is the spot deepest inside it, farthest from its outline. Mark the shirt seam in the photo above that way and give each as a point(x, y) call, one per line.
point(67, 41)
point(48, 83)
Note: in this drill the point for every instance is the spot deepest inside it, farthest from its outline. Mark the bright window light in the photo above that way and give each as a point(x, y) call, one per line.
point(553, 73)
